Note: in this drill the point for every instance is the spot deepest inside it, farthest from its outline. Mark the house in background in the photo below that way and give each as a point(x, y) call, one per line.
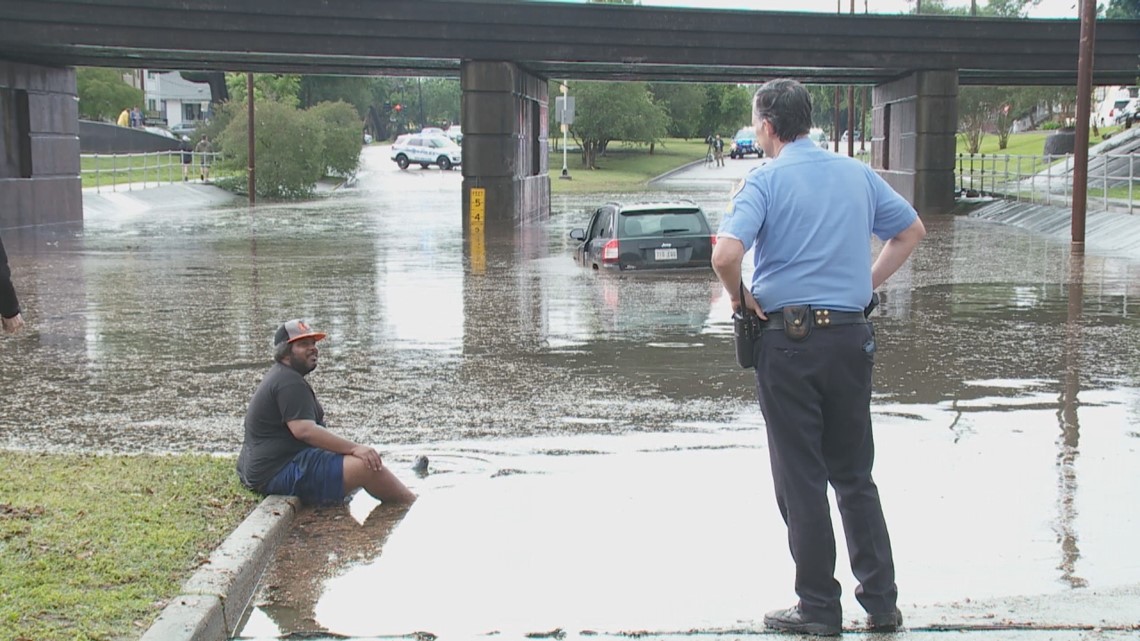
point(175, 102)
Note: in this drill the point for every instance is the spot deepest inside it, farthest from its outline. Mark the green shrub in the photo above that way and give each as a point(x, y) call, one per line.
point(341, 126)
point(289, 145)
point(1049, 126)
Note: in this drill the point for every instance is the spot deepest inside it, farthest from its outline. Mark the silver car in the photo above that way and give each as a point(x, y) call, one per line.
point(426, 150)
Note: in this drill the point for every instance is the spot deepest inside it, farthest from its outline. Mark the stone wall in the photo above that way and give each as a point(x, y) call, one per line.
point(915, 120)
point(39, 146)
point(505, 148)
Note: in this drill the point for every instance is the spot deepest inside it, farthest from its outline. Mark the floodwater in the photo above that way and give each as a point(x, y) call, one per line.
point(598, 461)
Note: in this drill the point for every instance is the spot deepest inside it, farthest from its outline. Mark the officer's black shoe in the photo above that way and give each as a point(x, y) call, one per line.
point(886, 622)
point(792, 620)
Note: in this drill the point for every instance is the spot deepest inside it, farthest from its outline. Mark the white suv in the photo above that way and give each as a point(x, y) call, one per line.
point(426, 150)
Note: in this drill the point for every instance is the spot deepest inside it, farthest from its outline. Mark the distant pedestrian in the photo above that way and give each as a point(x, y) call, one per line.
point(187, 153)
point(136, 117)
point(124, 117)
point(811, 287)
point(205, 152)
point(287, 448)
point(718, 151)
point(10, 317)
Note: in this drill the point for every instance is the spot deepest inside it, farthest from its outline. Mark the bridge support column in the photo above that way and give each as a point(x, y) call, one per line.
point(39, 146)
point(504, 143)
point(915, 120)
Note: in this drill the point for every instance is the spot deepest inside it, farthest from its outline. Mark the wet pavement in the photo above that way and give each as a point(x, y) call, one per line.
point(597, 460)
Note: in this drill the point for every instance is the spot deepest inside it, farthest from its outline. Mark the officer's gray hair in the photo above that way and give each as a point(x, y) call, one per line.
point(786, 104)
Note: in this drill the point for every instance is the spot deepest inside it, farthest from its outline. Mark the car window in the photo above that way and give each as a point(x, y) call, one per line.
point(605, 224)
point(662, 223)
point(746, 133)
point(414, 141)
point(440, 142)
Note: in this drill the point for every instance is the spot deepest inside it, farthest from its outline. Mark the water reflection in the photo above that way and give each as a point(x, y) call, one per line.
point(339, 538)
point(1069, 439)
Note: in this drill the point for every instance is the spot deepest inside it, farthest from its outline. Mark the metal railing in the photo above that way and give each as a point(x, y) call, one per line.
point(1113, 179)
point(141, 170)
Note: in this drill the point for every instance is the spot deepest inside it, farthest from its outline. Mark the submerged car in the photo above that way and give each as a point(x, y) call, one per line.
point(645, 236)
point(744, 143)
point(426, 150)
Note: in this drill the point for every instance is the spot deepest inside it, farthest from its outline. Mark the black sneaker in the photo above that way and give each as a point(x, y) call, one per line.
point(792, 620)
point(886, 622)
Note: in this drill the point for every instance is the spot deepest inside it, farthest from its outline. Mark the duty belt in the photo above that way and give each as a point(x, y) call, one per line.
point(816, 317)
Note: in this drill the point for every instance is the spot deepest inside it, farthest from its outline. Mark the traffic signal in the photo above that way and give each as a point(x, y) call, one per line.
point(398, 107)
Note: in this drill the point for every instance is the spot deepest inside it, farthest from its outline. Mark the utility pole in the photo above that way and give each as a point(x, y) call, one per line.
point(420, 84)
point(251, 182)
point(851, 109)
point(1084, 97)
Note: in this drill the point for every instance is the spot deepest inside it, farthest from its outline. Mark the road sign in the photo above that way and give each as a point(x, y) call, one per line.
point(565, 116)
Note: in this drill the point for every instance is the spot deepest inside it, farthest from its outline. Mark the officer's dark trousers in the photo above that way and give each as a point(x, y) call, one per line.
point(815, 395)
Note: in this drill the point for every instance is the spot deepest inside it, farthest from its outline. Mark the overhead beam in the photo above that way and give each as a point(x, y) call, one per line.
point(587, 41)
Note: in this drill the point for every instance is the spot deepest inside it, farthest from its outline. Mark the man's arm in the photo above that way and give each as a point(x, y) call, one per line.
point(726, 258)
point(310, 433)
point(895, 252)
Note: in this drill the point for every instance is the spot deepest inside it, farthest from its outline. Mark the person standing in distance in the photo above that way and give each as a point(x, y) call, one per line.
point(808, 215)
point(10, 318)
point(287, 448)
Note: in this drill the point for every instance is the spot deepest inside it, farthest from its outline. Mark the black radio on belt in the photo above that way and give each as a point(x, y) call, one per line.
point(746, 330)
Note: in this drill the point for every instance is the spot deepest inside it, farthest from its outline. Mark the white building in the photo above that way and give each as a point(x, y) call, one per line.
point(173, 98)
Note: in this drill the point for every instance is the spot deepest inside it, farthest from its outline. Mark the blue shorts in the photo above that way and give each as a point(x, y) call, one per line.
point(314, 475)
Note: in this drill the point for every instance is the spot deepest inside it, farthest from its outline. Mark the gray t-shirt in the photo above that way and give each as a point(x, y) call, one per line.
point(283, 395)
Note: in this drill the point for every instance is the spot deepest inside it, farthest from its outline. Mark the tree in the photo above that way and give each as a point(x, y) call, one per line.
point(1123, 9)
point(976, 107)
point(280, 88)
point(313, 90)
point(103, 93)
point(294, 148)
point(726, 109)
point(608, 111)
point(341, 134)
point(682, 102)
point(993, 8)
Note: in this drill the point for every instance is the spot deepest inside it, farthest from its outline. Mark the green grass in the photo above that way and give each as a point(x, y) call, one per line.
point(1029, 143)
point(625, 167)
point(120, 169)
point(94, 546)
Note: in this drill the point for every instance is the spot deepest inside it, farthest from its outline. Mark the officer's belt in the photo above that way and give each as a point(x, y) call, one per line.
point(818, 317)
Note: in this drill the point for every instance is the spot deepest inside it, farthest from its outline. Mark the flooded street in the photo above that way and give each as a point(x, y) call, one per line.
point(598, 461)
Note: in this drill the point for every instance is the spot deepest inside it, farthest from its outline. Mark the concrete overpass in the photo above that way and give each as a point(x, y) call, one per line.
point(505, 51)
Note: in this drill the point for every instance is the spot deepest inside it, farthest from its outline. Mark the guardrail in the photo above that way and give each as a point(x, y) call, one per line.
point(1113, 179)
point(141, 170)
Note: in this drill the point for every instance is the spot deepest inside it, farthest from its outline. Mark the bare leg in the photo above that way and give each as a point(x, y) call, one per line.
point(381, 484)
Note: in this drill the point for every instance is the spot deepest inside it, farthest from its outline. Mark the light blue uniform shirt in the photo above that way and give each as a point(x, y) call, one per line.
point(809, 214)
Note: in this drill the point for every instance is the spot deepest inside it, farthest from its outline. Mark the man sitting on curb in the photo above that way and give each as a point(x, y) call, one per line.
point(288, 450)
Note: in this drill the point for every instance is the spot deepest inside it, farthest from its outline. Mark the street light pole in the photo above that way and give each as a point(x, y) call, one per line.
point(565, 129)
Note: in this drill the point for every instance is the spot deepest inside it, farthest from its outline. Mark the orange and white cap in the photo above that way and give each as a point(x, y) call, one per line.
point(295, 330)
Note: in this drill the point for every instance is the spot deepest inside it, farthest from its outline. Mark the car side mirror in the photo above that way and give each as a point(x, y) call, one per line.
point(578, 234)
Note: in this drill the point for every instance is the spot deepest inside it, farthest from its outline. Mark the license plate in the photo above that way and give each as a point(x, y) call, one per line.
point(665, 254)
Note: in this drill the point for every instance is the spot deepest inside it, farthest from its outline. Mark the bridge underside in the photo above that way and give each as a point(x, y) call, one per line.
point(505, 51)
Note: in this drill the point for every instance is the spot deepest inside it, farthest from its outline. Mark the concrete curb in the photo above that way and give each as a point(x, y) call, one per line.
point(674, 171)
point(215, 597)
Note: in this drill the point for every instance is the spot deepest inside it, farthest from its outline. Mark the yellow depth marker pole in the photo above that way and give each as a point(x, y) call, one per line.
point(477, 210)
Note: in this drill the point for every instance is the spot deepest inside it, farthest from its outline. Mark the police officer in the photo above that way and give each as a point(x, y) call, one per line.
point(808, 215)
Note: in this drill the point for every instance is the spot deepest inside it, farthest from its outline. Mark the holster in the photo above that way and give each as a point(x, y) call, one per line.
point(797, 321)
point(746, 330)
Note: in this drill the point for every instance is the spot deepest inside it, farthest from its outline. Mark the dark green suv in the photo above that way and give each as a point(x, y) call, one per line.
point(642, 236)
